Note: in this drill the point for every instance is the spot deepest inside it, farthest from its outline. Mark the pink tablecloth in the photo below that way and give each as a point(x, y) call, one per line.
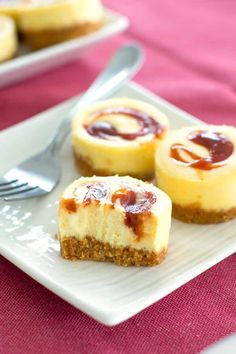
point(191, 55)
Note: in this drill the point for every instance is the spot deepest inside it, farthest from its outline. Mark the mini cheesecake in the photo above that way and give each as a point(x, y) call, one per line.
point(118, 136)
point(196, 167)
point(46, 22)
point(8, 38)
point(118, 219)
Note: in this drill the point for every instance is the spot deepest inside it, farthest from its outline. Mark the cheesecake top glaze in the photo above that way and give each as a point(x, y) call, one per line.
point(121, 121)
point(125, 193)
point(199, 152)
point(219, 147)
point(102, 127)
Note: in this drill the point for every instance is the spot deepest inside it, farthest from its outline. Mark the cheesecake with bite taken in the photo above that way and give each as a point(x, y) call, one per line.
point(118, 136)
point(196, 167)
point(8, 38)
point(46, 22)
point(118, 219)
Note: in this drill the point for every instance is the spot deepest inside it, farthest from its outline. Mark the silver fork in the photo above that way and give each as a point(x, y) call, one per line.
point(39, 174)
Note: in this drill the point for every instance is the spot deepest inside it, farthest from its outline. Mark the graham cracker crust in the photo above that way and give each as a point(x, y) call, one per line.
point(85, 167)
point(196, 215)
point(39, 39)
point(91, 249)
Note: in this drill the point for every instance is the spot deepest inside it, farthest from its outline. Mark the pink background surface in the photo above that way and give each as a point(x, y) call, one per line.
point(191, 55)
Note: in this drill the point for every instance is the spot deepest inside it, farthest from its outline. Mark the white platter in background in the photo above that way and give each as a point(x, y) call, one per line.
point(27, 63)
point(107, 292)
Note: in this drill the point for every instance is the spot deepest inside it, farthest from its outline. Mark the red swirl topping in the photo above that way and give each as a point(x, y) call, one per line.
point(105, 130)
point(219, 147)
point(136, 204)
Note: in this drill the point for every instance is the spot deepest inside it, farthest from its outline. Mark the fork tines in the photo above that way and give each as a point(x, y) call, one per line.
point(14, 188)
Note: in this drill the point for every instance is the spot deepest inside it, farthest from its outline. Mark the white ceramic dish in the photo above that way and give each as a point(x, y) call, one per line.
point(225, 345)
point(31, 63)
point(107, 292)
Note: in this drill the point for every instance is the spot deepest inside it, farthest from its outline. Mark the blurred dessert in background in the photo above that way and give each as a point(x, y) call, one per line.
point(118, 136)
point(46, 22)
point(8, 38)
point(196, 167)
point(42, 23)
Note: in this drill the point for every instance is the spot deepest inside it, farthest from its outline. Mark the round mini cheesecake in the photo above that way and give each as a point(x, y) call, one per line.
point(196, 167)
point(8, 38)
point(118, 136)
point(46, 22)
point(118, 219)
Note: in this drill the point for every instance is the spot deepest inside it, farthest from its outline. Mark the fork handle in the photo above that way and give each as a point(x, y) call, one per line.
point(123, 65)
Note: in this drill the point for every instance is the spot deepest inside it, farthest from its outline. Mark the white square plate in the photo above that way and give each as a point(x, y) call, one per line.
point(107, 292)
point(31, 63)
